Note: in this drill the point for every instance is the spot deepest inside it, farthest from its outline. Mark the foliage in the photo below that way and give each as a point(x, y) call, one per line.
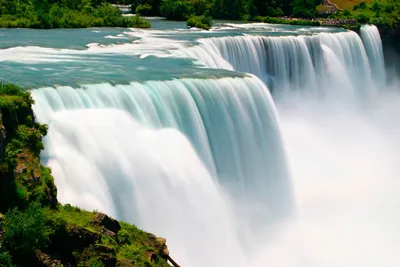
point(349, 4)
point(5, 259)
point(24, 178)
point(137, 22)
point(385, 14)
point(292, 22)
point(68, 214)
point(25, 231)
point(201, 22)
point(175, 9)
point(144, 9)
point(304, 8)
point(63, 14)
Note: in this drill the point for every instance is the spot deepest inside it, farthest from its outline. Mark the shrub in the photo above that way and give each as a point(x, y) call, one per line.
point(5, 259)
point(202, 22)
point(26, 230)
point(137, 22)
point(363, 18)
point(144, 10)
point(175, 10)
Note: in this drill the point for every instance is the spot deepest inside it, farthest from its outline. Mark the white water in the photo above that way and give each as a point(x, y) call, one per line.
point(201, 163)
point(105, 159)
point(305, 64)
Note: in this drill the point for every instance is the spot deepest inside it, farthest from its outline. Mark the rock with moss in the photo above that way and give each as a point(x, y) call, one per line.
point(35, 229)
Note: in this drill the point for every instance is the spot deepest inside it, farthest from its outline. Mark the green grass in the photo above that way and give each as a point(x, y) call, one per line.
point(348, 4)
point(73, 216)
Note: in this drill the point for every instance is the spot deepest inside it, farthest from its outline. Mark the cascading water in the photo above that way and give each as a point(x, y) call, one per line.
point(373, 46)
point(201, 161)
point(298, 63)
point(137, 165)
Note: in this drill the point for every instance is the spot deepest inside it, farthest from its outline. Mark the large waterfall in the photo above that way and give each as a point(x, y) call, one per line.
point(300, 63)
point(139, 157)
point(280, 166)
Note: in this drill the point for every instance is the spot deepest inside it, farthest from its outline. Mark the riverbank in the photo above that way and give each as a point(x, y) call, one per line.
point(351, 24)
point(65, 15)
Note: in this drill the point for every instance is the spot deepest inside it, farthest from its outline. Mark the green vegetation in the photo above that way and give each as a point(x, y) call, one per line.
point(24, 179)
point(64, 14)
point(26, 230)
point(144, 10)
point(291, 22)
point(227, 9)
point(202, 22)
point(384, 14)
point(37, 231)
point(348, 4)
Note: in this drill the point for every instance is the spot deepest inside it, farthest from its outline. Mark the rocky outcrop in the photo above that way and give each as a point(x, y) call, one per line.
point(106, 223)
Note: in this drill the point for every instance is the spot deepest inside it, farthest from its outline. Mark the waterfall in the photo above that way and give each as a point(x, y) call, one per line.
point(126, 149)
point(202, 161)
point(373, 45)
point(315, 64)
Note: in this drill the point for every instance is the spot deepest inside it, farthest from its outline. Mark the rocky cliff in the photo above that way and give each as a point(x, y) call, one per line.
point(35, 230)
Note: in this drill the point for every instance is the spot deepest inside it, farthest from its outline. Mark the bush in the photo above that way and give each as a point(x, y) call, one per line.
point(258, 19)
point(274, 12)
point(175, 10)
point(202, 22)
point(291, 22)
point(144, 10)
point(66, 14)
point(363, 18)
point(137, 22)
point(5, 259)
point(26, 230)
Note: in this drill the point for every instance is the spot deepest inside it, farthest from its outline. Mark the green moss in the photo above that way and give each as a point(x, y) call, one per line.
point(69, 215)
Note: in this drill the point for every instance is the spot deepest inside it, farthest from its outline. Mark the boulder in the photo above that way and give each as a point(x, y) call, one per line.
point(110, 224)
point(78, 238)
point(44, 260)
point(106, 255)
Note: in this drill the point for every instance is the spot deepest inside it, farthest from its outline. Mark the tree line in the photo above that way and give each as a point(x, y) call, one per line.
point(64, 14)
point(223, 9)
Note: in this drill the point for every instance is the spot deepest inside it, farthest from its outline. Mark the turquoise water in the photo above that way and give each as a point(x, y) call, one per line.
point(37, 58)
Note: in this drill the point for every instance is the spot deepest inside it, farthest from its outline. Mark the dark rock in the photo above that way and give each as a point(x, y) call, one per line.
point(110, 224)
point(102, 253)
point(159, 243)
point(44, 260)
point(79, 237)
point(71, 238)
point(104, 231)
point(106, 255)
